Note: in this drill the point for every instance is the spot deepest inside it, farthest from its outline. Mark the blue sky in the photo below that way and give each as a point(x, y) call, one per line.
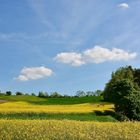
point(66, 45)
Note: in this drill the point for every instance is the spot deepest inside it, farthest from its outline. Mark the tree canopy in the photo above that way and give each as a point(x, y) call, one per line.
point(123, 89)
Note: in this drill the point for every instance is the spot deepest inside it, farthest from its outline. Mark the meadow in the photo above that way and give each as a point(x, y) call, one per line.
point(85, 118)
point(52, 101)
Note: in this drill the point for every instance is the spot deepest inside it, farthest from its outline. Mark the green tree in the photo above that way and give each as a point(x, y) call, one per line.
point(137, 77)
point(8, 93)
point(55, 95)
point(80, 93)
point(19, 93)
point(33, 94)
point(134, 109)
point(121, 73)
point(43, 94)
point(90, 93)
point(98, 92)
point(123, 91)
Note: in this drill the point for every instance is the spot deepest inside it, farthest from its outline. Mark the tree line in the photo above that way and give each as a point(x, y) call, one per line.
point(79, 93)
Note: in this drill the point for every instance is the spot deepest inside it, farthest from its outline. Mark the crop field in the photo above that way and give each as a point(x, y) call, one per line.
point(67, 130)
point(33, 118)
point(31, 107)
point(26, 110)
point(76, 108)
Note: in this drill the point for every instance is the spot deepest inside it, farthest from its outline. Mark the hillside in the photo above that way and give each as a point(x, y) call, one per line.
point(52, 101)
point(32, 107)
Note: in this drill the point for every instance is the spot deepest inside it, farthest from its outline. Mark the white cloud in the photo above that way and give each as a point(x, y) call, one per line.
point(123, 5)
point(96, 55)
point(75, 59)
point(34, 73)
point(99, 54)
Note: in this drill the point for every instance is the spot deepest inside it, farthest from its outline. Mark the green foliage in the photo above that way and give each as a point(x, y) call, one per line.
point(33, 94)
point(123, 91)
point(55, 95)
point(134, 109)
point(120, 74)
point(8, 93)
point(98, 93)
point(90, 93)
point(137, 77)
point(80, 93)
point(19, 93)
point(43, 94)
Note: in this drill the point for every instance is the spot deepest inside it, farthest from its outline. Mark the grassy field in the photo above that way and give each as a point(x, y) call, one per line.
point(86, 118)
point(52, 101)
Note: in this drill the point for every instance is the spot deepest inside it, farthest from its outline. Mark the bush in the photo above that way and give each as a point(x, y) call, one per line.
point(19, 93)
point(8, 93)
point(33, 94)
point(43, 94)
point(55, 95)
point(80, 93)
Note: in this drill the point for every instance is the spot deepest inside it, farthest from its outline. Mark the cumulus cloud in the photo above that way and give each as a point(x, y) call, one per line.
point(123, 5)
point(96, 55)
point(34, 73)
point(75, 59)
point(99, 54)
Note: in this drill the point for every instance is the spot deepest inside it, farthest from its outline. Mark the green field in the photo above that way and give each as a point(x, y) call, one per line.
point(52, 101)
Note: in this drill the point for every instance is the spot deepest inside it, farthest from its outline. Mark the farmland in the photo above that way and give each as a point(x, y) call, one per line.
point(85, 118)
point(30, 107)
point(67, 130)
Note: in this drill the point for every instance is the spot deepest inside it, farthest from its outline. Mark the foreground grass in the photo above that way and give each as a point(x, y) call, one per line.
point(68, 130)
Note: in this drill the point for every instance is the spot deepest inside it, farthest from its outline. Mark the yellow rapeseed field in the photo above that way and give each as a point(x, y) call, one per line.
point(76, 108)
point(63, 129)
point(68, 130)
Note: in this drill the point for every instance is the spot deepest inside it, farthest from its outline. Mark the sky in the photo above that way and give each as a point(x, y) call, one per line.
point(66, 45)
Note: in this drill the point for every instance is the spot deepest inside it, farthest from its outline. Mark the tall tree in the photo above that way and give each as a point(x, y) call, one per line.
point(123, 89)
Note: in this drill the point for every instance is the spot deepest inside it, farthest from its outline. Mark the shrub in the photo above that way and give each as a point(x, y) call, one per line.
point(55, 95)
point(80, 93)
point(43, 94)
point(19, 93)
point(33, 94)
point(8, 93)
